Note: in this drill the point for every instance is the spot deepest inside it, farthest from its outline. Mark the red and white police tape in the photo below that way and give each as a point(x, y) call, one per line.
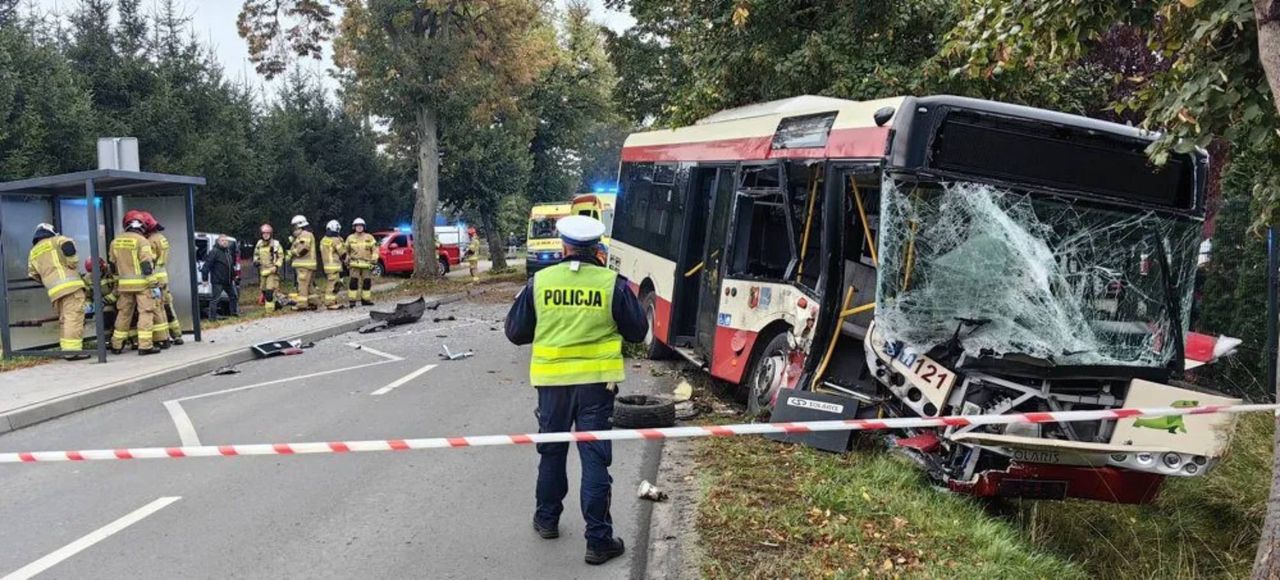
point(617, 434)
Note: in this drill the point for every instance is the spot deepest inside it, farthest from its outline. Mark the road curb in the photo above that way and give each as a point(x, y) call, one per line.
point(54, 408)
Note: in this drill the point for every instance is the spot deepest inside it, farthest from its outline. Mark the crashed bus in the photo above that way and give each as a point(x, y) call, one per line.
point(936, 256)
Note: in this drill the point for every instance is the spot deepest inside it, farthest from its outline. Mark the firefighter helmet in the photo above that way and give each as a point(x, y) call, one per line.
point(299, 221)
point(45, 228)
point(333, 226)
point(357, 222)
point(266, 229)
point(131, 216)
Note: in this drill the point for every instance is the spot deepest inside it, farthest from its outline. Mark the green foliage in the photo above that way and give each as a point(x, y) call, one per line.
point(686, 59)
point(124, 73)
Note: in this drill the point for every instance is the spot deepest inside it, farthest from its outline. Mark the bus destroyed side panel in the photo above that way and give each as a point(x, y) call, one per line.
point(1044, 277)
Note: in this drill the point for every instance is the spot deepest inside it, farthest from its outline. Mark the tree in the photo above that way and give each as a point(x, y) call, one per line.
point(571, 99)
point(484, 167)
point(418, 63)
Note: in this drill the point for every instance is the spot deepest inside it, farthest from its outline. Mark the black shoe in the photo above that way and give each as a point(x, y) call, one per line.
point(77, 356)
point(147, 351)
point(367, 302)
point(117, 351)
point(547, 533)
point(598, 557)
point(352, 304)
point(178, 342)
point(163, 345)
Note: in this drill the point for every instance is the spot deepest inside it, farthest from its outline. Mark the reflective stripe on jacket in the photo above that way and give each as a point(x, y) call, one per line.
point(129, 253)
point(303, 251)
point(362, 250)
point(47, 265)
point(268, 256)
point(576, 341)
point(332, 251)
point(160, 247)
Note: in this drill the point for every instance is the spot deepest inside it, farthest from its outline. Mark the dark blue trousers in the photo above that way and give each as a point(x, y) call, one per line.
point(582, 408)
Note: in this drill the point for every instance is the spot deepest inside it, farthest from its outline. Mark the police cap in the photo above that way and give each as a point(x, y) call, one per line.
point(580, 230)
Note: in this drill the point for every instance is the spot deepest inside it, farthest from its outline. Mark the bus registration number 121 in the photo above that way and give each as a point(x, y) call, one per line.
point(922, 368)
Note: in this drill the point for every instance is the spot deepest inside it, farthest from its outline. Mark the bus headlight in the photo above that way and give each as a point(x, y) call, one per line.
point(1172, 460)
point(1145, 458)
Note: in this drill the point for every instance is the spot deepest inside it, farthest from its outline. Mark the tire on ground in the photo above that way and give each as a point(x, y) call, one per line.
point(643, 412)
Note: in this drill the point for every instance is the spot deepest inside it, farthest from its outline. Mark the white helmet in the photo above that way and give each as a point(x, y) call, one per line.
point(333, 226)
point(45, 228)
point(299, 221)
point(357, 222)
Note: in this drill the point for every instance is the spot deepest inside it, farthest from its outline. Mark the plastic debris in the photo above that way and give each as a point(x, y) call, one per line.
point(684, 392)
point(448, 355)
point(651, 492)
point(227, 370)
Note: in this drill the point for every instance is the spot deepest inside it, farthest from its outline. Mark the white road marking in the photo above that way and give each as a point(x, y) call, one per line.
point(402, 380)
point(98, 535)
point(375, 352)
point(186, 429)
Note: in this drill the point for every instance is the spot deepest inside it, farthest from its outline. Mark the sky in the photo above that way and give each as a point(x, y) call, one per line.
point(214, 22)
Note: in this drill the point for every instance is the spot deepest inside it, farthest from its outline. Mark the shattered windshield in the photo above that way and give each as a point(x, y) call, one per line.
point(1053, 278)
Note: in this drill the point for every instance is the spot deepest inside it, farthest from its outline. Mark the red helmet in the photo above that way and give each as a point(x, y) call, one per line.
point(88, 264)
point(149, 222)
point(133, 215)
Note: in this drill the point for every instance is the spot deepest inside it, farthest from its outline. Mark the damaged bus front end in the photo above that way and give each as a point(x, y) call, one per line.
point(1036, 261)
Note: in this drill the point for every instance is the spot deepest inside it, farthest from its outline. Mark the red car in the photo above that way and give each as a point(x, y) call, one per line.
point(395, 253)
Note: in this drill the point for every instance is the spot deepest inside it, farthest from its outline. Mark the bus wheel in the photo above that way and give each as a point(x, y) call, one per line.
point(765, 374)
point(654, 350)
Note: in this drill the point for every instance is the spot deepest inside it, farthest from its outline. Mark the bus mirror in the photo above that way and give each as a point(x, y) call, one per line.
point(883, 115)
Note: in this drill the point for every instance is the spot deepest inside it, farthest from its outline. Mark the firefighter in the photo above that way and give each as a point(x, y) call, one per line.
point(109, 296)
point(53, 263)
point(268, 257)
point(303, 253)
point(333, 252)
point(167, 329)
point(362, 254)
point(473, 255)
point(576, 314)
point(139, 289)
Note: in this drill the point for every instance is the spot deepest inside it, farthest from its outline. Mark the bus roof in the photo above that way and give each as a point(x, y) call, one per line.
point(748, 133)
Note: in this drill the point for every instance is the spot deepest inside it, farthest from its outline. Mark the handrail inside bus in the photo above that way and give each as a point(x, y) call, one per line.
point(866, 227)
point(831, 346)
point(808, 220)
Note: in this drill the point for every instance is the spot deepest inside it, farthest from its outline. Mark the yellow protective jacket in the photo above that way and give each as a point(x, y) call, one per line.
point(268, 256)
point(362, 250)
point(333, 253)
point(134, 262)
point(160, 247)
point(49, 264)
point(303, 251)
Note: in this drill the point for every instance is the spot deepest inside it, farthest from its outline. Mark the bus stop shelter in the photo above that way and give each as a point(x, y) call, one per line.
point(86, 206)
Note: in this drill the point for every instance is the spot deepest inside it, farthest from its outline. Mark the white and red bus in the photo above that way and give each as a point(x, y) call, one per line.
point(934, 256)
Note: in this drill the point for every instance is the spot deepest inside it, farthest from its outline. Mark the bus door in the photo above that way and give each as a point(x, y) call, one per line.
point(720, 204)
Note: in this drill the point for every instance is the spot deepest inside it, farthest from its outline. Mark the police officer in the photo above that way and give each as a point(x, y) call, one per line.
point(268, 256)
point(53, 263)
point(303, 254)
point(333, 253)
point(362, 254)
point(576, 314)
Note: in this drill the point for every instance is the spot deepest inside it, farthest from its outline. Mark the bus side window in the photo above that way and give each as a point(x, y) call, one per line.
point(759, 249)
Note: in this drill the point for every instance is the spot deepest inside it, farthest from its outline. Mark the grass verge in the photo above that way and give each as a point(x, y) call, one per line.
point(774, 510)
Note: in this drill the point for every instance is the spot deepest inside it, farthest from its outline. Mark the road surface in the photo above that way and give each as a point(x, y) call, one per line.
point(441, 514)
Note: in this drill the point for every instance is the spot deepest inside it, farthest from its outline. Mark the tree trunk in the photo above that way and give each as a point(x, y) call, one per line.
point(497, 243)
point(426, 202)
point(1266, 563)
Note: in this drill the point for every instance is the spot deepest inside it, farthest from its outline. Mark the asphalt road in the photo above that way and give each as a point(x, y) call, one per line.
point(441, 514)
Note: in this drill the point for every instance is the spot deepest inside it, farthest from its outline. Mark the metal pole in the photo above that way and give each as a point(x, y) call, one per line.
point(1273, 314)
point(95, 254)
point(191, 261)
point(6, 341)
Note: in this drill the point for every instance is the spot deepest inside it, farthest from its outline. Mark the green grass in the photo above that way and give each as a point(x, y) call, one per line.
point(774, 510)
point(771, 510)
point(1198, 528)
